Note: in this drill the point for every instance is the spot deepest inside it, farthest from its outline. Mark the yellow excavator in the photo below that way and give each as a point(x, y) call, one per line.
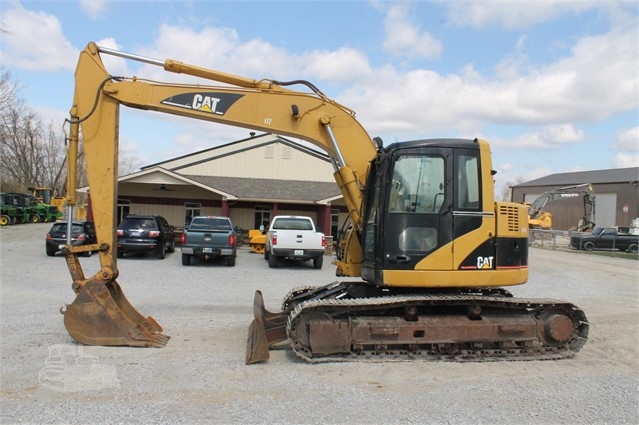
point(431, 248)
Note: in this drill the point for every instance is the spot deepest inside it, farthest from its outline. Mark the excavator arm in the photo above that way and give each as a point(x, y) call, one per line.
point(264, 105)
point(540, 218)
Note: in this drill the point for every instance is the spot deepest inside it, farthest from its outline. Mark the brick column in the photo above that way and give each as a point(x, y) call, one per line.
point(225, 207)
point(324, 219)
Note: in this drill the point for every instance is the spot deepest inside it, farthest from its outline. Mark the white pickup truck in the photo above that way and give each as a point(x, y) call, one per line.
point(294, 237)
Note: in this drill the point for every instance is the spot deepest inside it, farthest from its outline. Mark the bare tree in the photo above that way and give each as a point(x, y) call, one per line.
point(54, 160)
point(8, 89)
point(20, 153)
point(32, 153)
point(128, 164)
point(506, 191)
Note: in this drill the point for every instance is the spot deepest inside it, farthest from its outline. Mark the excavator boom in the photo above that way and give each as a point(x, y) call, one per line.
point(256, 104)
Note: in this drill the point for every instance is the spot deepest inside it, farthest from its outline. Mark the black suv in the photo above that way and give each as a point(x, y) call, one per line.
point(145, 234)
point(82, 233)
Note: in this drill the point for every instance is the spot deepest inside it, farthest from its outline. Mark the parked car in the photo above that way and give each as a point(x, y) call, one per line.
point(82, 233)
point(605, 238)
point(145, 234)
point(209, 237)
point(294, 237)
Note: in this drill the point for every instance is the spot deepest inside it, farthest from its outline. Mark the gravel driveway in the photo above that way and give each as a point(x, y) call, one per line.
point(200, 376)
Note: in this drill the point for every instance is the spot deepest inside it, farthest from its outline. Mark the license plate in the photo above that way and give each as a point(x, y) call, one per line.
point(60, 246)
point(299, 252)
point(207, 250)
point(135, 233)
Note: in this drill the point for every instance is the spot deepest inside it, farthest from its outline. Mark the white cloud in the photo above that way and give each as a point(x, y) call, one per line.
point(627, 140)
point(536, 173)
point(344, 65)
point(34, 41)
point(546, 138)
point(94, 8)
point(215, 48)
point(510, 68)
point(222, 49)
point(114, 65)
point(403, 38)
point(597, 80)
point(512, 14)
point(52, 116)
point(625, 160)
point(627, 147)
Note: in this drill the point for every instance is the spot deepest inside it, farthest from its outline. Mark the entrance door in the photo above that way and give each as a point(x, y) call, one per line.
point(124, 205)
point(191, 209)
point(262, 217)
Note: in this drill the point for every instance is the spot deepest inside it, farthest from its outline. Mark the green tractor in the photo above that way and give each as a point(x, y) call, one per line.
point(27, 208)
point(42, 212)
point(7, 215)
point(23, 211)
point(49, 207)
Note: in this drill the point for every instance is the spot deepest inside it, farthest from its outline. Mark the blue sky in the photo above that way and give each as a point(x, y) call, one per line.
point(553, 85)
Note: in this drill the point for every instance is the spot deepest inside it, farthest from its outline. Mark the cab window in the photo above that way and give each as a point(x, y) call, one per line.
point(418, 184)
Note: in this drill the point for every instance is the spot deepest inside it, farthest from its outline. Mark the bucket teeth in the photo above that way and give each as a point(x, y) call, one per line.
point(158, 340)
point(147, 336)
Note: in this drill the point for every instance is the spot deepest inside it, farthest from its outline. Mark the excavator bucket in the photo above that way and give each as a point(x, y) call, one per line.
point(266, 329)
point(102, 315)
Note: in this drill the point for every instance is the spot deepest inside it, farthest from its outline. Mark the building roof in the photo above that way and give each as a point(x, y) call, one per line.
point(271, 189)
point(233, 148)
point(614, 175)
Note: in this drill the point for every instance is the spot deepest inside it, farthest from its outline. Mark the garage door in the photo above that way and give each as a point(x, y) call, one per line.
point(605, 209)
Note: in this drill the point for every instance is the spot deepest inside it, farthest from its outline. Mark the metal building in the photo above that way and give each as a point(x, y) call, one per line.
point(615, 190)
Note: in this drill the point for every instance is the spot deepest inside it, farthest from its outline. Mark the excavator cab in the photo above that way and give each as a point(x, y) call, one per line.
point(428, 223)
point(412, 187)
point(427, 213)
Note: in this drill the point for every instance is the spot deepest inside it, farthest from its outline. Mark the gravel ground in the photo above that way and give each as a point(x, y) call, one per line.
point(200, 376)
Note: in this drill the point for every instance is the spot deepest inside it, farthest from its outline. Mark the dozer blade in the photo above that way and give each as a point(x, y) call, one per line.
point(102, 315)
point(266, 329)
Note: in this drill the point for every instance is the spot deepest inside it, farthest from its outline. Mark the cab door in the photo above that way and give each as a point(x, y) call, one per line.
point(418, 218)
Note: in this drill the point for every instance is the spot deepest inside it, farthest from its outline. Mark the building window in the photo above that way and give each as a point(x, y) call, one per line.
point(191, 209)
point(124, 207)
point(286, 152)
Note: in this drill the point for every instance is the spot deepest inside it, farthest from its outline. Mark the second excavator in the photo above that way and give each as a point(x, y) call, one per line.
point(430, 247)
point(540, 218)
